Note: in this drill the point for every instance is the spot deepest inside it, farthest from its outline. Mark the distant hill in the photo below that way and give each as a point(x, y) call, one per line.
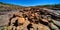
point(6, 6)
point(53, 6)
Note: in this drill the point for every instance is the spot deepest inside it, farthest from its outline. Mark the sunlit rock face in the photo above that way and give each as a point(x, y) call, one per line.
point(30, 19)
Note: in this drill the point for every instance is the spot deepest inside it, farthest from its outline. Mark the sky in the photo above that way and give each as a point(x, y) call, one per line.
point(31, 2)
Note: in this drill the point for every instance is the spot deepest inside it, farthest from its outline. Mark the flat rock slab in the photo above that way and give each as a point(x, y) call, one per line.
point(4, 19)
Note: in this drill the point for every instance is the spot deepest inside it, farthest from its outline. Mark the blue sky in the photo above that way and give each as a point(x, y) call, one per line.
point(31, 2)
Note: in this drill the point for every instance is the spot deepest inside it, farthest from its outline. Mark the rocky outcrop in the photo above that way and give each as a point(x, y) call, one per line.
point(29, 19)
